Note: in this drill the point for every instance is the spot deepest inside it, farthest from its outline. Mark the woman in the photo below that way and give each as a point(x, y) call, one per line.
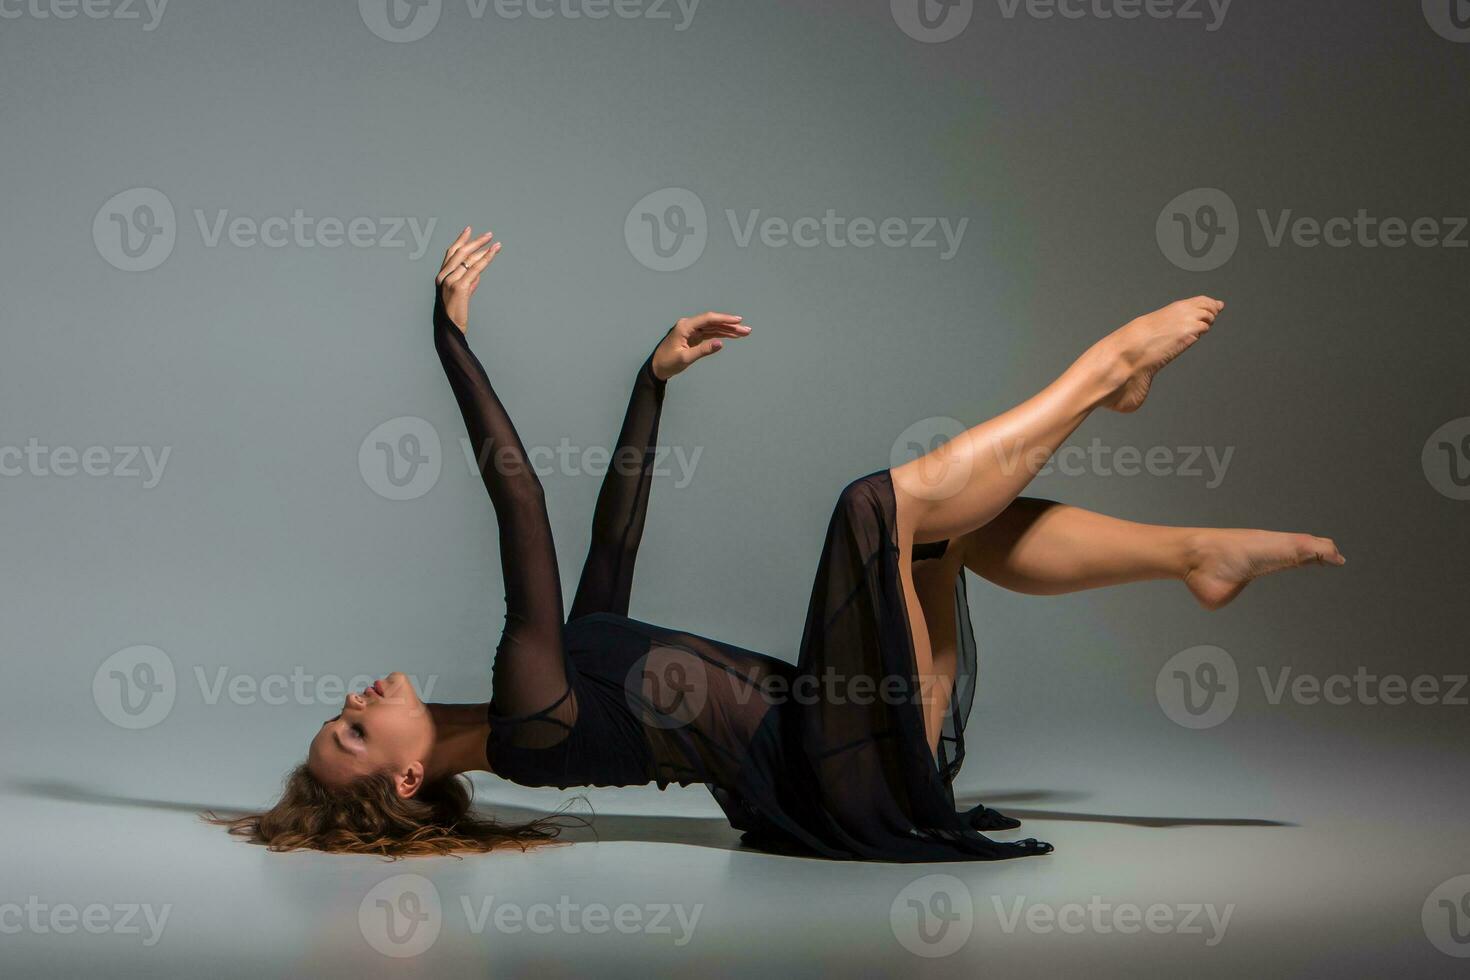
point(849, 753)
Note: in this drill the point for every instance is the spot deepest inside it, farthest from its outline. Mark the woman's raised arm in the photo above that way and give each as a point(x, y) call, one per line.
point(622, 503)
point(530, 669)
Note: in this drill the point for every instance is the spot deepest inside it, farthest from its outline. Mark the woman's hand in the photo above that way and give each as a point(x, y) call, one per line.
point(692, 338)
point(459, 276)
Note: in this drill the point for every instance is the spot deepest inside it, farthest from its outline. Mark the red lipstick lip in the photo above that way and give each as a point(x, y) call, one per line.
point(378, 686)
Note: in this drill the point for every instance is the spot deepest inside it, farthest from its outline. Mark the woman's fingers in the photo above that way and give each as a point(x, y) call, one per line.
point(466, 249)
point(722, 330)
point(454, 246)
point(704, 349)
point(695, 329)
point(459, 252)
point(479, 264)
point(484, 258)
point(468, 265)
point(705, 320)
point(459, 240)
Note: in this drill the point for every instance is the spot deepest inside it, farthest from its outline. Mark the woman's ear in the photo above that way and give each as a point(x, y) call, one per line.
point(410, 780)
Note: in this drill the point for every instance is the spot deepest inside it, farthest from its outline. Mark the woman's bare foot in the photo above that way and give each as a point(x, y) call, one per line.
point(1223, 562)
point(1139, 350)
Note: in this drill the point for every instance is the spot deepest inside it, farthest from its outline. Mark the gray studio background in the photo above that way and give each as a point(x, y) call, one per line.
point(267, 547)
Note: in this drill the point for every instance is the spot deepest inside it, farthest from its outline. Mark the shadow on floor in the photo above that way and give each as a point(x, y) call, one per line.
point(655, 828)
point(651, 828)
point(1038, 795)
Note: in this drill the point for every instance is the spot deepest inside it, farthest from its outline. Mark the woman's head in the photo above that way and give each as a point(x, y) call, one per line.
point(369, 786)
point(384, 730)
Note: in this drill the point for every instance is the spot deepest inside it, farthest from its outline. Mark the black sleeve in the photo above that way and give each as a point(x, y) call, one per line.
point(622, 504)
point(530, 663)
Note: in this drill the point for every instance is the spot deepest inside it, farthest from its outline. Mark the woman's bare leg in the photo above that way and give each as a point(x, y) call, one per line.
point(1039, 547)
point(969, 480)
point(1044, 548)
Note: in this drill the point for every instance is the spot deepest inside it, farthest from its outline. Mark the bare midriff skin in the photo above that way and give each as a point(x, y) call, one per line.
point(968, 491)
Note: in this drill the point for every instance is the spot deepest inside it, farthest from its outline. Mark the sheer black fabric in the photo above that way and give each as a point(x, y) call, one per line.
point(825, 757)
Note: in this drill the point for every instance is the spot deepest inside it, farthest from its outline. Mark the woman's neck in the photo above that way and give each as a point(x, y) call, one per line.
point(460, 732)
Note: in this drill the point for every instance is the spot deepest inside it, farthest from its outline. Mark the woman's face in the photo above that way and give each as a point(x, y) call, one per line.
point(385, 727)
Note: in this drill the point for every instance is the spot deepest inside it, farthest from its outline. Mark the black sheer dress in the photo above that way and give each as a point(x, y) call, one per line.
point(827, 757)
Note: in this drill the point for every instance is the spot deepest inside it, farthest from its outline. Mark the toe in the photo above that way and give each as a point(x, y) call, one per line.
point(1322, 550)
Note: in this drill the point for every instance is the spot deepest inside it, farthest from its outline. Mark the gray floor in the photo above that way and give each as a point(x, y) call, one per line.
point(1321, 864)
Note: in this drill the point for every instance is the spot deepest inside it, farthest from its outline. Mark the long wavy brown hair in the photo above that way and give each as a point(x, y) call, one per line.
point(369, 817)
